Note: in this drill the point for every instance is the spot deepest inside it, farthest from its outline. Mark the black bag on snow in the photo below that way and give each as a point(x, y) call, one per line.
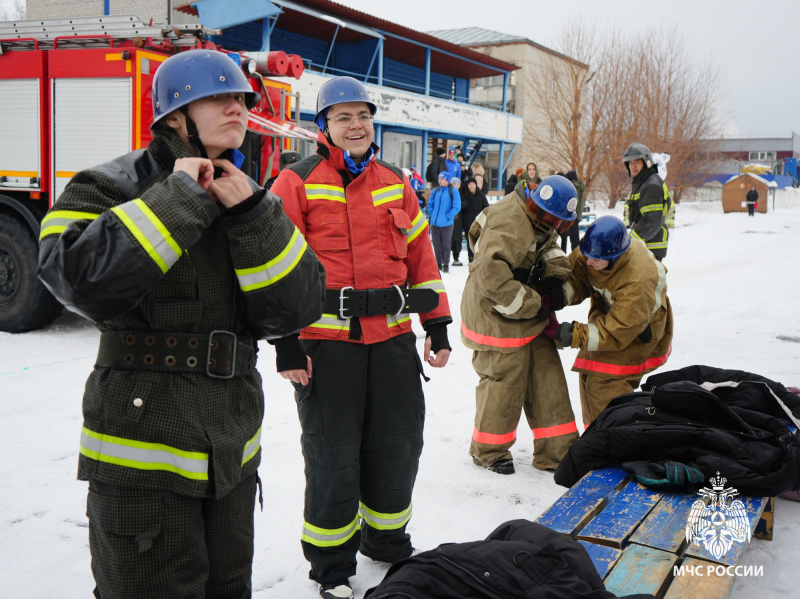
point(520, 559)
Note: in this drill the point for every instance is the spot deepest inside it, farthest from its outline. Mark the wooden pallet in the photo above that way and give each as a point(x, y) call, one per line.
point(637, 536)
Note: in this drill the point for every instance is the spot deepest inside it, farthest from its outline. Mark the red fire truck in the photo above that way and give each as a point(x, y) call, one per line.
point(76, 93)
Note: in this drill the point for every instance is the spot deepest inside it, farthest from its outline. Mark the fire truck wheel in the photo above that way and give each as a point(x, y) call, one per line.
point(25, 304)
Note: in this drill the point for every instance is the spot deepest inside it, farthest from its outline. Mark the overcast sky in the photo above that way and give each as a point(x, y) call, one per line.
point(754, 44)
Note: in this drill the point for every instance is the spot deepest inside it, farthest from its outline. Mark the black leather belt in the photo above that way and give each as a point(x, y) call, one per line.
point(218, 354)
point(348, 302)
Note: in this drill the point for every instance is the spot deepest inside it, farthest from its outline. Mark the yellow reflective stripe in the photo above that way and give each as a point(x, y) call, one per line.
point(387, 194)
point(381, 521)
point(659, 244)
point(332, 193)
point(330, 321)
point(56, 221)
point(150, 232)
point(393, 321)
point(635, 196)
point(436, 284)
point(418, 225)
point(666, 191)
point(328, 537)
point(635, 235)
point(251, 447)
point(651, 208)
point(143, 456)
point(273, 271)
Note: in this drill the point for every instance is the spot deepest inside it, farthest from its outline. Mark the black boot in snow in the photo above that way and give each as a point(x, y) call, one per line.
point(340, 589)
point(503, 467)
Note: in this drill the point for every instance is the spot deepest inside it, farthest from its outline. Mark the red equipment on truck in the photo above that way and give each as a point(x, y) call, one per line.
point(76, 93)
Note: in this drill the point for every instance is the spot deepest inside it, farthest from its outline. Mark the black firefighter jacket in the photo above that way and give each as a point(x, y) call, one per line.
point(519, 560)
point(647, 211)
point(135, 247)
point(725, 421)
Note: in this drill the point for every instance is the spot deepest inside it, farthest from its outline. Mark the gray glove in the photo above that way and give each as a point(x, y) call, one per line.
point(564, 334)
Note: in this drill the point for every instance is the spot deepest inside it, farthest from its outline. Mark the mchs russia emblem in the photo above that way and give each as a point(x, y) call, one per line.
point(717, 520)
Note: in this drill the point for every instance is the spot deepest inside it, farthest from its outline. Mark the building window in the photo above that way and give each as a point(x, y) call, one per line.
point(553, 130)
point(408, 154)
point(495, 81)
point(762, 156)
point(554, 87)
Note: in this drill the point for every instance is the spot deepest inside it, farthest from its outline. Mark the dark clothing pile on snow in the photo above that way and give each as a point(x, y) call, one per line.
point(520, 559)
point(727, 421)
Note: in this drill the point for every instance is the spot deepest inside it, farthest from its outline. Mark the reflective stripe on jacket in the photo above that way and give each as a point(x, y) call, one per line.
point(134, 246)
point(369, 233)
point(625, 300)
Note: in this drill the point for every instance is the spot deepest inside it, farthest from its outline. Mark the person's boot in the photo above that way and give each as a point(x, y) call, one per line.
point(457, 262)
point(445, 268)
point(339, 589)
point(503, 467)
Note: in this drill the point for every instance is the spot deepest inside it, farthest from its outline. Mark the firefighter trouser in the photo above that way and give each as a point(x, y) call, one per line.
point(154, 544)
point(531, 379)
point(362, 416)
point(598, 391)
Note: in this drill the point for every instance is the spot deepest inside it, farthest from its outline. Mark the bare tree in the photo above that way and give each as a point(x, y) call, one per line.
point(15, 11)
point(621, 89)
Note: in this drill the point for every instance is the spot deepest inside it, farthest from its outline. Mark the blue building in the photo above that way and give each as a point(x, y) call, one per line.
point(420, 83)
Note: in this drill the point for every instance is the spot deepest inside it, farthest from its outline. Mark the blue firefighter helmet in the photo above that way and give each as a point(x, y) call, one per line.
point(557, 196)
point(195, 74)
point(605, 239)
point(338, 91)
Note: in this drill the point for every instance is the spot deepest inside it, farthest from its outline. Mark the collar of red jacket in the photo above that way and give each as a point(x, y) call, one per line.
point(335, 155)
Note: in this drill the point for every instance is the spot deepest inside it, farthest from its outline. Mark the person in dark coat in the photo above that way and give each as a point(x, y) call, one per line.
point(473, 201)
point(173, 410)
point(752, 200)
point(437, 165)
point(511, 185)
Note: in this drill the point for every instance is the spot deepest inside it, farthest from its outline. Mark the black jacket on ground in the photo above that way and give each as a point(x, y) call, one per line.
point(738, 428)
point(520, 559)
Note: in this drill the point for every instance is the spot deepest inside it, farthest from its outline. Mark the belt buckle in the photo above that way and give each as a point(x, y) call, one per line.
point(211, 342)
point(341, 302)
point(402, 300)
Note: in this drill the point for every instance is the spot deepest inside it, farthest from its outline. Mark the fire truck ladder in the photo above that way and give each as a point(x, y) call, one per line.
point(93, 32)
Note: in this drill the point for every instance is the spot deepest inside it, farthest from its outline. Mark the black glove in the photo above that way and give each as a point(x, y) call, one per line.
point(665, 475)
point(564, 334)
point(646, 335)
point(289, 354)
point(551, 287)
point(438, 334)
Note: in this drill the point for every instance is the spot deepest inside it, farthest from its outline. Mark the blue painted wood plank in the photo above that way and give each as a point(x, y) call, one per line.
point(619, 519)
point(570, 513)
point(604, 558)
point(754, 506)
point(665, 526)
point(641, 570)
point(710, 585)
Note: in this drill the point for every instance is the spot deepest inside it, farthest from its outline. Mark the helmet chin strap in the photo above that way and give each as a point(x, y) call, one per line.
point(192, 134)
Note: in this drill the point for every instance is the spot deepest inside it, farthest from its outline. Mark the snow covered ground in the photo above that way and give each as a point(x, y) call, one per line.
point(734, 285)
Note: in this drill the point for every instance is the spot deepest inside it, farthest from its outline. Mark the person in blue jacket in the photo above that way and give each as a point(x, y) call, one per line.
point(443, 205)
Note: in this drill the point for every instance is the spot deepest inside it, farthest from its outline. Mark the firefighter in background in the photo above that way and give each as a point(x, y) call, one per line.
point(173, 409)
point(362, 412)
point(649, 200)
point(515, 280)
point(629, 330)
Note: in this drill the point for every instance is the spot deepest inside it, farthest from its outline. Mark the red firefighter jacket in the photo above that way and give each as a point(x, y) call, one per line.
point(368, 232)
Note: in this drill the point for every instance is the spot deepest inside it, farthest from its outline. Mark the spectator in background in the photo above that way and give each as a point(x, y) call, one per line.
point(574, 231)
point(752, 200)
point(417, 184)
point(443, 205)
point(480, 176)
point(453, 165)
point(531, 174)
point(437, 165)
point(473, 201)
point(511, 185)
point(457, 241)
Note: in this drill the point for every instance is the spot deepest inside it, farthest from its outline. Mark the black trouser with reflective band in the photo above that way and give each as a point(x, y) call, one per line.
point(160, 545)
point(362, 417)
